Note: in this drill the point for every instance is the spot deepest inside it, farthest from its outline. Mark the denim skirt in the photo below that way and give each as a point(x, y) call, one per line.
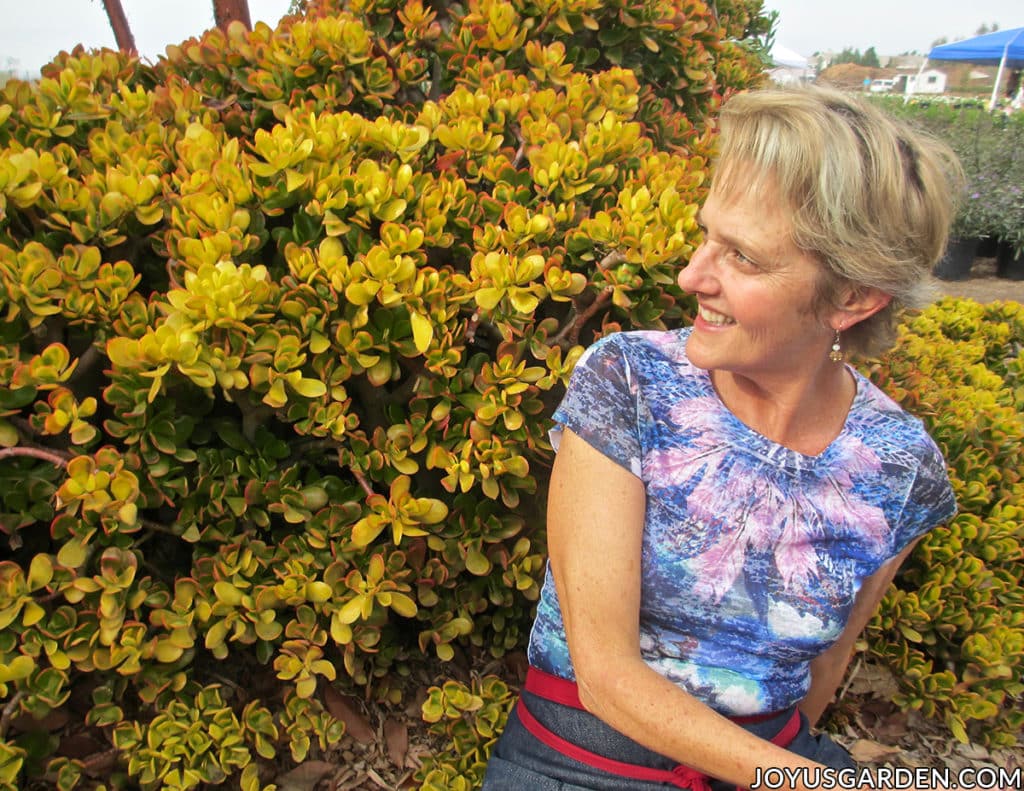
point(521, 762)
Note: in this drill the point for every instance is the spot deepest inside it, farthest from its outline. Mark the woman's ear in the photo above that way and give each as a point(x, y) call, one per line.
point(859, 304)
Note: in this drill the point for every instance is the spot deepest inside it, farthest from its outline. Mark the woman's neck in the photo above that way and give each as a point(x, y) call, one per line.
point(805, 415)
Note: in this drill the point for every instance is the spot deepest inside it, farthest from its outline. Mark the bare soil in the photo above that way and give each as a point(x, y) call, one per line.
point(984, 285)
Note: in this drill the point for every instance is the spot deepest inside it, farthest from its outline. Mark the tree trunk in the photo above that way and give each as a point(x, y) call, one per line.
point(227, 11)
point(119, 23)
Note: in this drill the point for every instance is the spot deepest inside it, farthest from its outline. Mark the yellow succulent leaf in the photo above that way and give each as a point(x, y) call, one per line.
point(477, 563)
point(309, 388)
point(276, 396)
point(167, 652)
point(341, 632)
point(318, 592)
point(523, 301)
point(268, 630)
point(392, 210)
point(32, 613)
point(305, 687)
point(366, 530)
point(19, 667)
point(40, 572)
point(72, 555)
point(352, 610)
point(227, 593)
point(422, 331)
point(123, 352)
point(403, 605)
point(8, 434)
point(489, 297)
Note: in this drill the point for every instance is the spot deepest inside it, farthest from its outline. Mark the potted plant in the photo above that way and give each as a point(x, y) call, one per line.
point(1010, 256)
point(970, 224)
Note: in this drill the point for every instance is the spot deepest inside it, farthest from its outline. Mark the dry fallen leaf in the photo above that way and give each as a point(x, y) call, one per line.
point(871, 679)
point(865, 751)
point(974, 752)
point(396, 734)
point(345, 708)
point(892, 728)
point(303, 777)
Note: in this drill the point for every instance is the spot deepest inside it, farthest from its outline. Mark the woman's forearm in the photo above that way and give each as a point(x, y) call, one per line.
point(640, 703)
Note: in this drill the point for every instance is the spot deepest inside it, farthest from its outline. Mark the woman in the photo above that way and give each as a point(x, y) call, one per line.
point(730, 501)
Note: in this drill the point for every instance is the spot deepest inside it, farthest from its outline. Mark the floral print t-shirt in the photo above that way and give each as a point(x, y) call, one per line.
point(752, 552)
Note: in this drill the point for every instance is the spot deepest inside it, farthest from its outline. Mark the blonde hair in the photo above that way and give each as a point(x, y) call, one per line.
point(870, 197)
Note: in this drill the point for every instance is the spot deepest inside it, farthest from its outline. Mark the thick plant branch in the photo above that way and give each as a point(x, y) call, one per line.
point(87, 362)
point(9, 711)
point(517, 160)
point(52, 456)
point(254, 414)
point(610, 260)
point(363, 482)
point(570, 333)
point(370, 402)
point(157, 527)
point(410, 381)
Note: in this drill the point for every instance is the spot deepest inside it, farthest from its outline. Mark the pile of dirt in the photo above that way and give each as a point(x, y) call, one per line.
point(850, 76)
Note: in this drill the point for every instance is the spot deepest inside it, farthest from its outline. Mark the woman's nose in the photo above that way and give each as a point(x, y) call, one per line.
point(697, 274)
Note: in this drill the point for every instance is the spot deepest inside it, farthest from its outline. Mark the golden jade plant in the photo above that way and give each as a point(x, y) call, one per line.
point(284, 316)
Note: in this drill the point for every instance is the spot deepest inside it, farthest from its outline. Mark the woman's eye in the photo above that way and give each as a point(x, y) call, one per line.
point(743, 260)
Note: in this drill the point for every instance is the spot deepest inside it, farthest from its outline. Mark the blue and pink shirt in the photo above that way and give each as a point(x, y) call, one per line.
point(752, 552)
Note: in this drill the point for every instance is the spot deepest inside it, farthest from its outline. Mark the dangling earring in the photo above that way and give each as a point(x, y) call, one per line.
point(836, 355)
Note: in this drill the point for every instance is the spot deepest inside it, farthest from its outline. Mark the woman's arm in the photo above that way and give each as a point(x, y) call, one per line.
point(827, 670)
point(595, 530)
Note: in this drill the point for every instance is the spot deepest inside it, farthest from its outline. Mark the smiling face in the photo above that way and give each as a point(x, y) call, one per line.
point(755, 290)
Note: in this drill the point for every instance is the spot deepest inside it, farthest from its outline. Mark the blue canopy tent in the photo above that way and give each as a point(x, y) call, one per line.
point(1003, 48)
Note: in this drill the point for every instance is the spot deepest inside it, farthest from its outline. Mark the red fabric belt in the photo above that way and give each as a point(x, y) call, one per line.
point(560, 690)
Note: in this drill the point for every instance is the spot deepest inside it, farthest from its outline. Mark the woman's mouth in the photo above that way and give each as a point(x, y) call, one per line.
point(714, 318)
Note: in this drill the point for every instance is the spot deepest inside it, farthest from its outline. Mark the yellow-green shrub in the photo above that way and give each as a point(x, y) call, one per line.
point(284, 317)
point(953, 626)
point(470, 719)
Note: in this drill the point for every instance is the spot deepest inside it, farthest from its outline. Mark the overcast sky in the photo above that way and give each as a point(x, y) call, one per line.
point(33, 31)
point(892, 27)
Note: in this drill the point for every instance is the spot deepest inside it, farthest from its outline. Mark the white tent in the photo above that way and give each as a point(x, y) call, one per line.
point(784, 56)
point(788, 66)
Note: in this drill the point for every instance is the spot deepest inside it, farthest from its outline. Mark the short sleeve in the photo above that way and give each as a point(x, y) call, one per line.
point(601, 404)
point(931, 501)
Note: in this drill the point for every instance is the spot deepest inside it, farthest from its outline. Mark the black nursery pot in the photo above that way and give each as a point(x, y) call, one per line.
point(988, 247)
point(1009, 265)
point(957, 261)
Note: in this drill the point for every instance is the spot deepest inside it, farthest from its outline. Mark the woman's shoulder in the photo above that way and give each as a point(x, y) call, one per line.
point(638, 346)
point(880, 419)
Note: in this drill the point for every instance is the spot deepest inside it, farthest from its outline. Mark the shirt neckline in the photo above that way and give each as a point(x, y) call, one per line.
point(748, 438)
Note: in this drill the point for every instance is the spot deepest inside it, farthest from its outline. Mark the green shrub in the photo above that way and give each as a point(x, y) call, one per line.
point(284, 319)
point(990, 146)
